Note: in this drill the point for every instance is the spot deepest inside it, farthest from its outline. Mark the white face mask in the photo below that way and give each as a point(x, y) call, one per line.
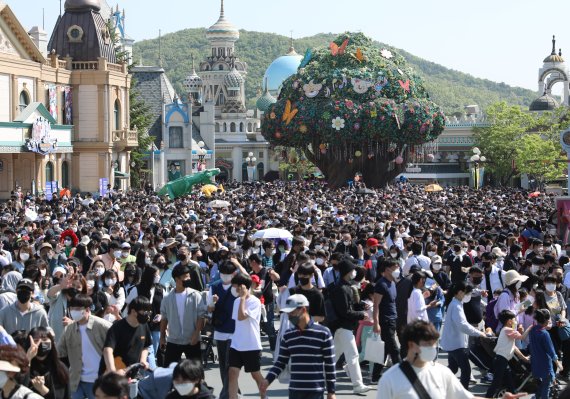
point(67, 243)
point(99, 271)
point(550, 287)
point(184, 389)
point(396, 274)
point(431, 253)
point(234, 292)
point(436, 266)
point(110, 282)
point(232, 244)
point(24, 256)
point(346, 243)
point(77, 315)
point(226, 278)
point(157, 279)
point(3, 379)
point(90, 284)
point(394, 254)
point(319, 261)
point(428, 353)
point(148, 261)
point(353, 274)
point(117, 254)
point(519, 284)
point(318, 247)
point(466, 298)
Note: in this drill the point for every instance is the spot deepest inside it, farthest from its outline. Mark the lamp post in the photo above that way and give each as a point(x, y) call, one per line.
point(478, 171)
point(201, 155)
point(250, 160)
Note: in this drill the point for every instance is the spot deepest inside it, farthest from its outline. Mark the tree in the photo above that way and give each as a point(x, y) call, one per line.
point(498, 141)
point(537, 157)
point(353, 108)
point(141, 120)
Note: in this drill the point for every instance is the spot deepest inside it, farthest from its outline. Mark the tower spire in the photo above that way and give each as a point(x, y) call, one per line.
point(222, 9)
point(193, 69)
point(291, 47)
point(553, 44)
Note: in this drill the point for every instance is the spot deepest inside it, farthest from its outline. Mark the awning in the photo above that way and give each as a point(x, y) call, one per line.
point(121, 175)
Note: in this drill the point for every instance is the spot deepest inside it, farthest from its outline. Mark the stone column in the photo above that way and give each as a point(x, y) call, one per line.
point(15, 100)
point(237, 158)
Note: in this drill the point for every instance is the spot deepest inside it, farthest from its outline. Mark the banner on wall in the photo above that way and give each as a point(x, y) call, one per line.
point(103, 182)
point(68, 106)
point(51, 188)
point(52, 93)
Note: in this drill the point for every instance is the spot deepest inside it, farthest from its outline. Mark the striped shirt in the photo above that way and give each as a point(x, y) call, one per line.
point(311, 352)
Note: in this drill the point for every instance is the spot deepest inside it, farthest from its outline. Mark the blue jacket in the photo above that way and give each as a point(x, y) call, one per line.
point(542, 352)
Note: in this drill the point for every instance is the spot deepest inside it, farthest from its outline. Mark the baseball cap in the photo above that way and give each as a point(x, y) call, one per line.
point(372, 242)
point(26, 283)
point(126, 245)
point(7, 366)
point(294, 302)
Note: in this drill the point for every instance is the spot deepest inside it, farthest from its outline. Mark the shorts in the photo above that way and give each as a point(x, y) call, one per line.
point(249, 360)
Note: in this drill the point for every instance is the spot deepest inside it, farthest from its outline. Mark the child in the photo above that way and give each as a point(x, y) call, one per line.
point(435, 313)
point(504, 351)
point(542, 353)
point(525, 318)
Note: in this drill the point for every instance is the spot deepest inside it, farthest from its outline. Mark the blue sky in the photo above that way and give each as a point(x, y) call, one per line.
point(501, 40)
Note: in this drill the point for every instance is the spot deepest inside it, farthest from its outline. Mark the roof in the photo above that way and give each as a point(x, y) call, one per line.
point(264, 102)
point(155, 89)
point(33, 107)
point(553, 57)
point(21, 34)
point(544, 103)
point(73, 5)
point(281, 68)
point(222, 29)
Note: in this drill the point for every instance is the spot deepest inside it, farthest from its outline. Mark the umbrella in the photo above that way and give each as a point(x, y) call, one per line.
point(273, 233)
point(534, 195)
point(432, 188)
point(218, 204)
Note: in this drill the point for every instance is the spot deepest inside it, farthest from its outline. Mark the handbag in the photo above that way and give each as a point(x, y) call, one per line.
point(409, 372)
point(564, 332)
point(374, 351)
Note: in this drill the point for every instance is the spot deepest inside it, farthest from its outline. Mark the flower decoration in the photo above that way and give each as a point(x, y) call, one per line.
point(386, 53)
point(399, 160)
point(338, 123)
point(303, 129)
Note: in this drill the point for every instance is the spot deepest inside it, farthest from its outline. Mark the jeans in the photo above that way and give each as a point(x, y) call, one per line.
point(345, 343)
point(223, 352)
point(305, 395)
point(269, 327)
point(501, 371)
point(544, 387)
point(174, 352)
point(151, 358)
point(388, 335)
point(459, 359)
point(84, 390)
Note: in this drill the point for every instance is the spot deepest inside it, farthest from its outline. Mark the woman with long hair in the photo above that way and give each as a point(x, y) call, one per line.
point(100, 301)
point(49, 377)
point(13, 372)
point(115, 295)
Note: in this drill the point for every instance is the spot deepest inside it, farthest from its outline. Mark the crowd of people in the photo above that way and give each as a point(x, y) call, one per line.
point(93, 288)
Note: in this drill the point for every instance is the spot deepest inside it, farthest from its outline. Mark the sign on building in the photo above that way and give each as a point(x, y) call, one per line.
point(41, 140)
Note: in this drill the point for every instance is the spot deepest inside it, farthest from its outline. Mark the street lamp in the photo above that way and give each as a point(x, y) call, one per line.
point(201, 155)
point(114, 164)
point(250, 160)
point(478, 170)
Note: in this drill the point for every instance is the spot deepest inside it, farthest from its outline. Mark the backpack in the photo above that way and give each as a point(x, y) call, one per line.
point(491, 320)
point(331, 318)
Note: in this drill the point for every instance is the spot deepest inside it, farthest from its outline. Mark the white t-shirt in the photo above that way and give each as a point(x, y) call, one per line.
point(91, 359)
point(437, 379)
point(417, 309)
point(180, 304)
point(246, 334)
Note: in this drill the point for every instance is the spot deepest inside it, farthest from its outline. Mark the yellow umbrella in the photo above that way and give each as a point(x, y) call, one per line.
point(432, 188)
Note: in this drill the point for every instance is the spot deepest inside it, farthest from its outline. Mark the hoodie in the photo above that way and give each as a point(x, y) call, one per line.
point(8, 288)
point(13, 320)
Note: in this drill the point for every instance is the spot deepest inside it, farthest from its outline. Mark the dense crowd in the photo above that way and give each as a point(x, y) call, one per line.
point(96, 290)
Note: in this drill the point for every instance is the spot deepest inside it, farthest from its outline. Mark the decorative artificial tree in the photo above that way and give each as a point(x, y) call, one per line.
point(353, 107)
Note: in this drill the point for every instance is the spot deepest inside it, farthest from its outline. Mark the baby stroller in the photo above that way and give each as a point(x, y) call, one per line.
point(207, 343)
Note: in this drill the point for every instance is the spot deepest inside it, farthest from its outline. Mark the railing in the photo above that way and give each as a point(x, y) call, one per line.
point(115, 67)
point(126, 137)
point(84, 65)
point(62, 64)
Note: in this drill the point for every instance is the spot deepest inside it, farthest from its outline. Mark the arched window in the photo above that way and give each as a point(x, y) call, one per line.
point(233, 127)
point(221, 67)
point(49, 171)
point(65, 174)
point(260, 171)
point(241, 127)
point(217, 128)
point(225, 127)
point(117, 111)
point(24, 100)
point(249, 127)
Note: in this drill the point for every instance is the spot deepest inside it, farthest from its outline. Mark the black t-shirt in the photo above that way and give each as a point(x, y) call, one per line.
point(267, 290)
point(127, 342)
point(473, 310)
point(315, 298)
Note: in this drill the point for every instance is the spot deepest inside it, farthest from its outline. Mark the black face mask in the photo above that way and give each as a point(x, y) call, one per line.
point(181, 257)
point(477, 280)
point(486, 265)
point(304, 280)
point(161, 265)
point(143, 318)
point(373, 250)
point(44, 349)
point(24, 296)
point(187, 283)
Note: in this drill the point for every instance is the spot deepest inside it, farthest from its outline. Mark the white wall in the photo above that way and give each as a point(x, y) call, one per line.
point(5, 94)
point(88, 103)
point(89, 171)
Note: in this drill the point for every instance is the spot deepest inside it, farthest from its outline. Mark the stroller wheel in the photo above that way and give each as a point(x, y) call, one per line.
point(500, 394)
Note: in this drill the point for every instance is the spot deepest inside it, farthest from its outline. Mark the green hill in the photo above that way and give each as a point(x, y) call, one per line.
point(451, 89)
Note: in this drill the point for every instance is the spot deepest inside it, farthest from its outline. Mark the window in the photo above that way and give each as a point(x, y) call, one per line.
point(65, 174)
point(220, 67)
point(241, 127)
point(175, 139)
point(117, 111)
point(49, 171)
point(24, 100)
point(217, 128)
point(233, 127)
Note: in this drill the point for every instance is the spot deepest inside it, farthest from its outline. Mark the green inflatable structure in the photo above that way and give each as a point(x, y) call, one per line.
point(180, 187)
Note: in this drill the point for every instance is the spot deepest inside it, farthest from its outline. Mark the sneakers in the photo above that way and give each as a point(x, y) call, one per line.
point(362, 389)
point(488, 379)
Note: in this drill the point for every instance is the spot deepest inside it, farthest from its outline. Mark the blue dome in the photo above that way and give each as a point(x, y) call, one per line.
point(281, 69)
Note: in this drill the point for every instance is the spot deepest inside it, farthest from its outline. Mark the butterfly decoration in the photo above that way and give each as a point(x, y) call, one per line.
point(405, 85)
point(307, 58)
point(289, 114)
point(359, 55)
point(344, 83)
point(336, 50)
point(380, 84)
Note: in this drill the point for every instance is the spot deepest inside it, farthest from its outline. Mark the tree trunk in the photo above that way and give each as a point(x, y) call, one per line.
point(376, 171)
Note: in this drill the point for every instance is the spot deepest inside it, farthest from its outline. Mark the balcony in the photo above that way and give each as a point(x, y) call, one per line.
point(125, 138)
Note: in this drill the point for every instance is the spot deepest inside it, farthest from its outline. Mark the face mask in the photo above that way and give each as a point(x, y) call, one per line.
point(44, 349)
point(466, 298)
point(143, 318)
point(184, 389)
point(156, 279)
point(125, 254)
point(477, 280)
point(281, 249)
point(428, 353)
point(187, 283)
point(304, 280)
point(23, 296)
point(43, 272)
point(550, 287)
point(99, 271)
point(319, 261)
point(67, 243)
point(394, 254)
point(234, 292)
point(24, 256)
point(77, 315)
point(117, 254)
point(3, 379)
point(431, 253)
point(346, 243)
point(232, 244)
point(226, 278)
point(396, 274)
point(90, 284)
point(353, 274)
point(110, 282)
point(318, 247)
point(436, 266)
point(148, 261)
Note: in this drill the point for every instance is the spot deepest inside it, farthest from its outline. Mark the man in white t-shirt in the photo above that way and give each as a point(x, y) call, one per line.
point(245, 349)
point(438, 381)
